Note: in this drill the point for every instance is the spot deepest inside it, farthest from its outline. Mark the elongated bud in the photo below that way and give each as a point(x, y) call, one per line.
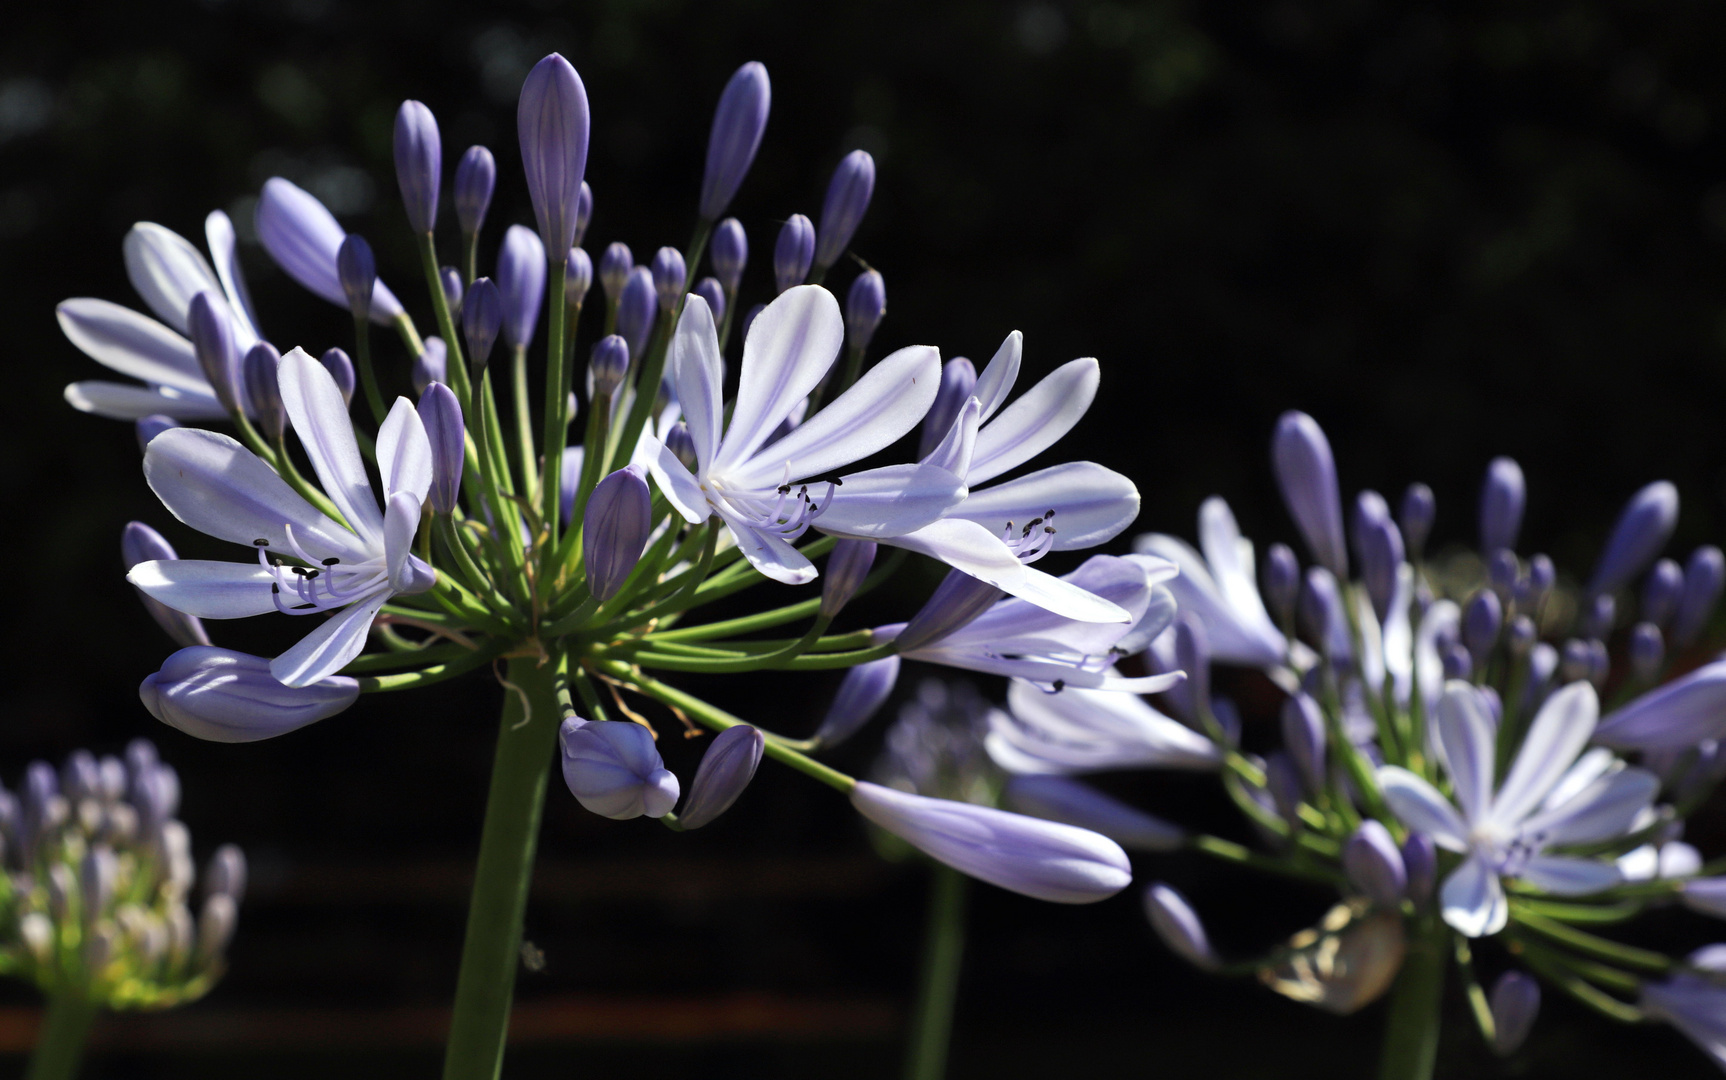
point(1704, 574)
point(1647, 651)
point(263, 394)
point(148, 427)
point(140, 543)
point(441, 416)
point(1374, 865)
point(227, 696)
point(615, 526)
point(1381, 556)
point(1323, 616)
point(1502, 572)
point(959, 599)
point(475, 179)
point(583, 213)
point(608, 365)
point(552, 121)
point(577, 276)
point(1041, 859)
point(792, 252)
point(1282, 582)
point(419, 164)
point(226, 873)
point(96, 877)
point(725, 771)
point(1661, 591)
point(1642, 530)
point(729, 251)
point(1193, 656)
point(1481, 621)
point(865, 307)
point(669, 276)
point(847, 200)
point(636, 308)
point(1178, 925)
point(1064, 799)
point(1515, 1002)
point(1522, 635)
point(1503, 495)
point(1420, 866)
point(80, 776)
point(1419, 509)
point(1599, 615)
point(682, 445)
point(861, 694)
point(958, 379)
point(846, 568)
point(481, 317)
point(1677, 715)
point(216, 925)
point(520, 283)
point(303, 238)
point(614, 269)
point(737, 126)
point(613, 769)
point(341, 369)
point(358, 271)
point(1306, 475)
point(211, 329)
point(1305, 740)
point(431, 365)
point(710, 290)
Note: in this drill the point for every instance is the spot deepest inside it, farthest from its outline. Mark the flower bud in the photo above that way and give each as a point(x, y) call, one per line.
point(608, 365)
point(1420, 867)
point(737, 126)
point(1523, 634)
point(96, 877)
point(1381, 556)
point(1323, 617)
point(861, 694)
point(431, 365)
point(577, 277)
point(140, 543)
point(682, 445)
point(669, 277)
point(1482, 619)
point(847, 200)
point(521, 273)
point(710, 290)
point(583, 213)
point(211, 329)
point(725, 771)
point(227, 696)
point(1282, 582)
point(1419, 509)
point(1041, 859)
point(636, 307)
point(1703, 576)
point(1306, 474)
point(263, 395)
point(216, 927)
point(481, 317)
point(792, 252)
point(1502, 498)
point(1374, 865)
point(1515, 1001)
point(440, 415)
point(303, 238)
point(958, 379)
point(358, 271)
point(1677, 715)
point(729, 252)
point(341, 369)
point(613, 769)
point(552, 121)
point(615, 526)
point(1459, 664)
point(614, 269)
point(148, 427)
point(475, 179)
point(1598, 616)
point(226, 873)
point(1502, 572)
point(865, 307)
point(1642, 530)
point(1661, 591)
point(1061, 798)
point(846, 568)
point(1178, 925)
point(1305, 740)
point(419, 164)
point(959, 599)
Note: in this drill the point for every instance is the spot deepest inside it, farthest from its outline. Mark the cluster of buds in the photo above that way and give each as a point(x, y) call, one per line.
point(99, 889)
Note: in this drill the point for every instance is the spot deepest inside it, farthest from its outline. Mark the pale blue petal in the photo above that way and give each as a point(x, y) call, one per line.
point(224, 250)
point(1562, 876)
point(123, 401)
point(1035, 422)
point(167, 270)
point(1234, 638)
point(132, 344)
point(770, 554)
point(1560, 731)
point(790, 346)
point(209, 590)
point(1606, 809)
point(1465, 731)
point(1092, 504)
point(996, 381)
point(404, 452)
point(401, 522)
point(973, 549)
point(320, 417)
point(696, 368)
point(1473, 901)
point(886, 502)
point(680, 488)
point(1419, 806)
point(954, 451)
point(303, 238)
point(328, 649)
point(1107, 579)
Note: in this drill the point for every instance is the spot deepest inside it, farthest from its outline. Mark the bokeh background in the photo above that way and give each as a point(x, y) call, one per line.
point(1447, 231)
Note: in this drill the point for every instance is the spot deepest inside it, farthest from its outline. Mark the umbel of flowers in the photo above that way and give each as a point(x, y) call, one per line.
point(1490, 762)
point(574, 546)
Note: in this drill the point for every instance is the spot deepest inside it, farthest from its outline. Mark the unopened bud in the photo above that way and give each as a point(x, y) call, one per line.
point(1282, 582)
point(449, 278)
point(608, 365)
point(711, 291)
point(793, 252)
point(865, 307)
point(341, 369)
point(615, 527)
point(637, 307)
point(1178, 925)
point(669, 276)
point(357, 270)
point(419, 163)
point(1515, 1002)
point(846, 568)
point(149, 427)
point(1374, 865)
point(475, 179)
point(730, 253)
point(577, 276)
point(216, 927)
point(861, 694)
point(613, 769)
point(263, 393)
point(1419, 508)
point(481, 319)
point(431, 365)
point(211, 328)
point(848, 195)
point(615, 264)
point(1503, 496)
point(1306, 474)
point(1641, 531)
point(682, 445)
point(725, 771)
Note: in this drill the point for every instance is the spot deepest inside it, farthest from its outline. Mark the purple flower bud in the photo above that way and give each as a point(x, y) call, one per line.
point(1369, 507)
point(1575, 664)
point(710, 290)
point(1642, 530)
point(669, 277)
point(614, 269)
point(1647, 651)
point(636, 309)
point(608, 365)
point(959, 599)
point(263, 393)
point(440, 413)
point(303, 238)
point(749, 318)
point(1503, 496)
point(1282, 581)
point(847, 200)
point(450, 278)
point(614, 527)
point(1306, 475)
point(1178, 925)
point(577, 276)
point(521, 273)
point(737, 126)
point(475, 179)
point(552, 122)
point(1661, 591)
point(1193, 656)
point(1543, 662)
point(729, 252)
point(341, 369)
point(481, 317)
point(613, 769)
point(1542, 576)
point(1374, 865)
point(583, 213)
point(958, 379)
point(861, 694)
point(1676, 715)
point(792, 252)
point(140, 543)
point(1282, 780)
point(846, 568)
point(865, 307)
point(212, 332)
point(1706, 895)
point(725, 771)
point(681, 444)
point(226, 873)
point(1599, 663)
point(149, 427)
point(1704, 575)
point(358, 272)
point(1523, 634)
point(1304, 739)
point(96, 876)
point(227, 696)
point(1419, 509)
point(1420, 865)
point(1041, 859)
point(1070, 802)
point(419, 164)
point(1381, 556)
point(1599, 615)
point(1458, 664)
point(80, 776)
point(1502, 571)
point(1323, 617)
point(1515, 1001)
point(1482, 619)
point(431, 365)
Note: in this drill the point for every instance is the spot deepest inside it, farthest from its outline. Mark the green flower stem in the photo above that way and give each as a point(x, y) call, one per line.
point(60, 1040)
point(368, 377)
point(456, 364)
point(718, 719)
point(470, 257)
point(856, 639)
point(1585, 913)
point(557, 328)
point(1477, 1002)
point(725, 323)
point(717, 666)
point(1587, 944)
point(461, 665)
point(409, 333)
point(680, 600)
point(938, 982)
point(1411, 1035)
point(1554, 970)
point(589, 697)
point(766, 620)
point(743, 576)
point(787, 652)
point(527, 462)
point(417, 657)
point(484, 989)
point(1229, 851)
point(594, 436)
point(613, 616)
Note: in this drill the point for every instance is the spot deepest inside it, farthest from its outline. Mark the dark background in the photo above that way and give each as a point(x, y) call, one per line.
point(1446, 231)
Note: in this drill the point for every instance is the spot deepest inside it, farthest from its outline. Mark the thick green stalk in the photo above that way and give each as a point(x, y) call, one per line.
point(938, 985)
point(60, 1040)
point(525, 741)
point(1411, 1029)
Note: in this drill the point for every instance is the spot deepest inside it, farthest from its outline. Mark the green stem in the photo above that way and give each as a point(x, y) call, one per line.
point(60, 1040)
point(368, 378)
point(527, 461)
point(486, 985)
point(556, 402)
point(938, 985)
point(455, 364)
point(1411, 1035)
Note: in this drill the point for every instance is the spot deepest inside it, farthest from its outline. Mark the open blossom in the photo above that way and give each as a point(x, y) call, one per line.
point(219, 487)
point(1088, 731)
point(764, 493)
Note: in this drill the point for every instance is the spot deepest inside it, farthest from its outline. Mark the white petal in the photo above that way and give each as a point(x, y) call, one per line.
point(697, 374)
point(1092, 504)
point(209, 590)
point(954, 451)
point(320, 417)
point(219, 232)
point(1465, 730)
point(1075, 726)
point(123, 401)
point(1473, 900)
point(1399, 636)
point(1606, 809)
point(1419, 805)
point(404, 452)
point(1021, 625)
point(1560, 731)
point(167, 270)
point(1563, 876)
point(789, 348)
point(401, 522)
point(770, 554)
point(680, 489)
point(1233, 638)
point(885, 502)
point(328, 649)
point(1036, 421)
point(132, 344)
point(997, 379)
point(1230, 558)
point(1441, 619)
point(968, 546)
